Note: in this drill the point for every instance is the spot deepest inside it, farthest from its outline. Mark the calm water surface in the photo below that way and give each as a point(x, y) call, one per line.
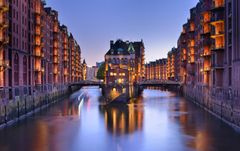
point(159, 120)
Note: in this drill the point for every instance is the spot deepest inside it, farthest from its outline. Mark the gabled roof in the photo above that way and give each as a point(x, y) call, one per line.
point(125, 48)
point(118, 48)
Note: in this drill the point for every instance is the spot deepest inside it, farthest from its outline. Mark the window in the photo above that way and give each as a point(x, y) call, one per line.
point(16, 69)
point(25, 70)
point(229, 8)
point(230, 77)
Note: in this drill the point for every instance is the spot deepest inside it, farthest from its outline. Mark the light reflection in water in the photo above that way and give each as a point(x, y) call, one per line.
point(158, 120)
point(123, 119)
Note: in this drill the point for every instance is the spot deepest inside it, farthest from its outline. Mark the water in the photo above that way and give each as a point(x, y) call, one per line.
point(159, 120)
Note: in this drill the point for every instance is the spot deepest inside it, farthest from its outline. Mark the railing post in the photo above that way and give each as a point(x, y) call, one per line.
point(5, 114)
point(18, 109)
point(25, 106)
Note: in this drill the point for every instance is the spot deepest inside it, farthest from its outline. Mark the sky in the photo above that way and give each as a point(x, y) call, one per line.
point(95, 22)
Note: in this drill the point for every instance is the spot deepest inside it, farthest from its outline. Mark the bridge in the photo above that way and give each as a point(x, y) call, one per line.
point(160, 83)
point(138, 87)
point(87, 83)
point(144, 83)
point(172, 85)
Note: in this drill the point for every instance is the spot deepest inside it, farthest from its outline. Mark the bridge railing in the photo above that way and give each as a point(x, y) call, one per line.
point(87, 83)
point(167, 82)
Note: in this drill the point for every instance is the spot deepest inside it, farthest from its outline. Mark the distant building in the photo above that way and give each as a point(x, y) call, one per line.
point(98, 64)
point(156, 70)
point(173, 65)
point(84, 66)
point(92, 73)
point(124, 62)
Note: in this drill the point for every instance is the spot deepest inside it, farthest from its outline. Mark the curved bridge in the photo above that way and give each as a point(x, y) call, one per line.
point(87, 83)
point(159, 83)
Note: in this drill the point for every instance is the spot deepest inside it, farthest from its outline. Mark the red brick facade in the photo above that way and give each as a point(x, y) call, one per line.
point(37, 54)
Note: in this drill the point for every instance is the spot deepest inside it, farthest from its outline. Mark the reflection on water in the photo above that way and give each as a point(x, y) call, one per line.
point(119, 93)
point(158, 120)
point(123, 119)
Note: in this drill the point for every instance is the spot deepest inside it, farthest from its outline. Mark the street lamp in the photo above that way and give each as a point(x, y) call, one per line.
point(4, 65)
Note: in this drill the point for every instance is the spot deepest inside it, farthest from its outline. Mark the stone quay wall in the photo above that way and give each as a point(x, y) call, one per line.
point(13, 110)
point(224, 104)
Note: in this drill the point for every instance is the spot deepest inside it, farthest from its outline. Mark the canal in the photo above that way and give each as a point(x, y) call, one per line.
point(158, 120)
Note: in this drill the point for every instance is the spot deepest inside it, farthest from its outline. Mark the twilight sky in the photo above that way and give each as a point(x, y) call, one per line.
point(95, 22)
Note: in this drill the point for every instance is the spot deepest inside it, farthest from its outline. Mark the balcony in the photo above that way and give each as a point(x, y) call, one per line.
point(38, 32)
point(206, 15)
point(207, 69)
point(55, 45)
point(37, 53)
point(216, 34)
point(37, 43)
point(206, 41)
point(191, 45)
point(55, 72)
point(218, 48)
point(65, 58)
point(38, 69)
point(218, 66)
point(218, 5)
point(191, 60)
point(191, 35)
point(55, 61)
point(206, 30)
point(206, 54)
point(38, 20)
point(215, 19)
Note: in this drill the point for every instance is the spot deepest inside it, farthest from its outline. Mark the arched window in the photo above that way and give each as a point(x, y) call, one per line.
point(122, 61)
point(16, 69)
point(118, 61)
point(25, 70)
point(109, 61)
point(126, 61)
point(114, 60)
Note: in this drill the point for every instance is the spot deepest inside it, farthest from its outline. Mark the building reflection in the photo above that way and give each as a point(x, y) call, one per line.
point(123, 119)
point(119, 93)
point(192, 126)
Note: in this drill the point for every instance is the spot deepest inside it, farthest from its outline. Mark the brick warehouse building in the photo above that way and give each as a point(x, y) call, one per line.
point(207, 58)
point(156, 70)
point(124, 62)
point(209, 50)
point(38, 56)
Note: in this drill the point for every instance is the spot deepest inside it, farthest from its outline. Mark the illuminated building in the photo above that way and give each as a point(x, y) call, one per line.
point(75, 60)
point(232, 50)
point(124, 62)
point(35, 53)
point(218, 36)
point(156, 70)
point(4, 42)
point(209, 50)
point(173, 65)
point(84, 70)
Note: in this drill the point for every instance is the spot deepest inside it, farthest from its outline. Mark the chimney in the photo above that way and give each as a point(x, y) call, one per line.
point(111, 43)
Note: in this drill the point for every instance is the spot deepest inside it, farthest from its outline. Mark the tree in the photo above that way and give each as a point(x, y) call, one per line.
point(101, 72)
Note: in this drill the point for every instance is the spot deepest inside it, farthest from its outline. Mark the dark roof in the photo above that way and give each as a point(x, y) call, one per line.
point(118, 48)
point(84, 62)
point(125, 48)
